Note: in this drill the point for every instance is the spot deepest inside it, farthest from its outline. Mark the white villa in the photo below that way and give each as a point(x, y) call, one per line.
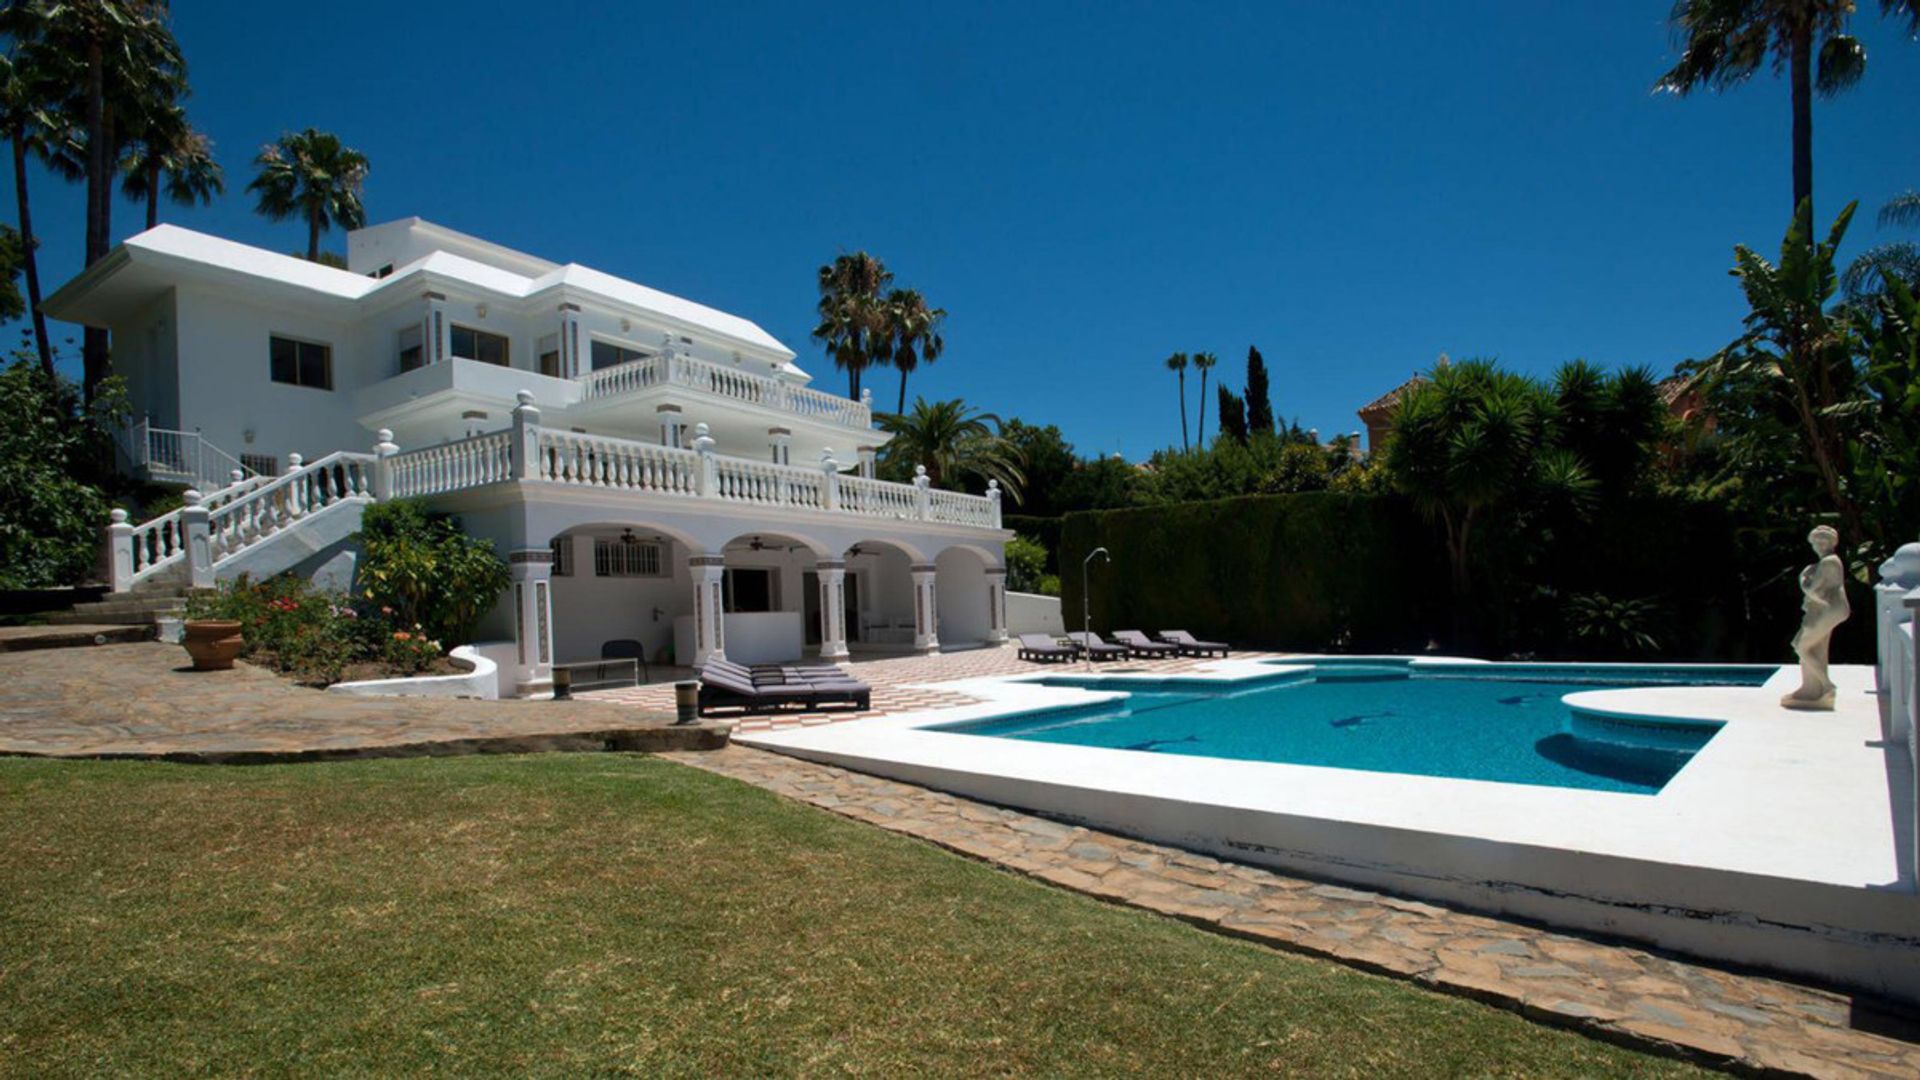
point(654, 470)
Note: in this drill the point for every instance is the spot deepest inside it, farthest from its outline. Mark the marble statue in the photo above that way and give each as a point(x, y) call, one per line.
point(1823, 587)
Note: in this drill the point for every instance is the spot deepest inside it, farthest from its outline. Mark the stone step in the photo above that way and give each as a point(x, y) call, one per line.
point(20, 638)
point(122, 612)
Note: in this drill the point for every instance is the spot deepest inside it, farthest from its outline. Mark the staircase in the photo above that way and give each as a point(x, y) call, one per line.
point(145, 605)
point(259, 526)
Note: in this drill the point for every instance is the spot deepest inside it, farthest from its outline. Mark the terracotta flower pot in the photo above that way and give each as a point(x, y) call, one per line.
point(213, 643)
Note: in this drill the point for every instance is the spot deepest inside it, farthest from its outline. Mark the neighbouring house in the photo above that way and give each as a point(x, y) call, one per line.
point(655, 471)
point(1377, 414)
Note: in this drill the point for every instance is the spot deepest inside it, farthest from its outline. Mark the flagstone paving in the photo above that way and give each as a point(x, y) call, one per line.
point(1612, 991)
point(140, 700)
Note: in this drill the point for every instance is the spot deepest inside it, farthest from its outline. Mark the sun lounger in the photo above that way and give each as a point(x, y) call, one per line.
point(1043, 649)
point(1189, 646)
point(1143, 647)
point(1096, 649)
point(725, 684)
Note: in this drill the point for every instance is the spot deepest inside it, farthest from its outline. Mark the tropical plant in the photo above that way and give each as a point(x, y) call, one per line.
point(1472, 438)
point(912, 334)
point(117, 60)
point(1259, 398)
point(1723, 42)
point(1867, 274)
point(311, 175)
point(34, 127)
point(1026, 564)
point(53, 453)
point(1203, 363)
point(431, 574)
point(1612, 422)
point(170, 156)
point(1886, 445)
point(1614, 627)
point(954, 443)
point(853, 325)
point(1177, 363)
point(1796, 359)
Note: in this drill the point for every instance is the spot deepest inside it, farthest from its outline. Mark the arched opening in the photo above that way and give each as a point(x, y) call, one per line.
point(964, 600)
point(880, 613)
point(766, 582)
point(616, 587)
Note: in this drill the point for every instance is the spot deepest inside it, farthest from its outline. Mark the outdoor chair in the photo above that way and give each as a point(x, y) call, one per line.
point(1143, 647)
point(1096, 649)
point(1042, 649)
point(1190, 646)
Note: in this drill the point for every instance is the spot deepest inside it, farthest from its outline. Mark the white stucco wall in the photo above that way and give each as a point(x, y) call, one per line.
point(960, 597)
point(1031, 613)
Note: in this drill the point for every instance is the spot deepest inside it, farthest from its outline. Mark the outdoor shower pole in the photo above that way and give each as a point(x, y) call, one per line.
point(1086, 601)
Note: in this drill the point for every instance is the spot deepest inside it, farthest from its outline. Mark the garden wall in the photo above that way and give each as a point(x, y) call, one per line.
point(1323, 571)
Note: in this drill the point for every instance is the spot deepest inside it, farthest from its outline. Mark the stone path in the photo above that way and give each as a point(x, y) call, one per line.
point(140, 700)
point(1611, 991)
point(899, 683)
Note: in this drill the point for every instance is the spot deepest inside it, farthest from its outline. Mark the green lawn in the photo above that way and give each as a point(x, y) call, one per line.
point(571, 914)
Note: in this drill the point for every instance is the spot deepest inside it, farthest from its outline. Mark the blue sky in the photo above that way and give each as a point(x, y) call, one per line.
point(1086, 187)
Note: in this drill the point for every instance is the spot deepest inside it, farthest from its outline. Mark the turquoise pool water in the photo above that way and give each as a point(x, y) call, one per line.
point(1502, 722)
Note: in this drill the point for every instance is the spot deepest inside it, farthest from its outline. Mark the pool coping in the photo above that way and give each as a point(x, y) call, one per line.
point(1775, 846)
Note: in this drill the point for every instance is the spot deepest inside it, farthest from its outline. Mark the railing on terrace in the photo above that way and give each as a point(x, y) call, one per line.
point(727, 382)
point(181, 457)
point(213, 529)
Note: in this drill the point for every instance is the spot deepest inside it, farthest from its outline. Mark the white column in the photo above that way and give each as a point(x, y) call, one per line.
point(525, 446)
point(833, 609)
point(709, 616)
point(708, 484)
point(296, 503)
point(437, 330)
point(830, 480)
point(197, 535)
point(868, 456)
point(119, 551)
point(780, 445)
point(531, 573)
point(570, 364)
point(383, 450)
point(997, 606)
point(926, 618)
point(672, 426)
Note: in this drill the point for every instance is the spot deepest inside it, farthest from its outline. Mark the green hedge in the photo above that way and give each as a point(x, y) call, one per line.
point(1323, 571)
point(1044, 529)
point(1308, 571)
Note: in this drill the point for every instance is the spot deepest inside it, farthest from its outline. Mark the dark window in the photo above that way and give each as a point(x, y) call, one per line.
point(412, 353)
point(562, 556)
point(606, 355)
point(626, 558)
point(550, 363)
point(748, 589)
point(260, 464)
point(472, 344)
point(301, 363)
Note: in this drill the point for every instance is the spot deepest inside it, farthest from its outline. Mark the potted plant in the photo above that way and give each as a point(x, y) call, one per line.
point(212, 633)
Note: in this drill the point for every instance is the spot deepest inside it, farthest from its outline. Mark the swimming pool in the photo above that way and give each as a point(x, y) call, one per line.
point(1499, 722)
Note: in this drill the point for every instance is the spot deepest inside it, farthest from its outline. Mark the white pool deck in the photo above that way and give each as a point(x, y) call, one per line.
point(1786, 842)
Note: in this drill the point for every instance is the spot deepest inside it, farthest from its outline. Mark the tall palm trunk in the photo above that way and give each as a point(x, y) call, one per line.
point(153, 192)
point(27, 245)
point(1800, 61)
point(94, 342)
point(1184, 444)
point(1203, 409)
point(902, 407)
point(313, 237)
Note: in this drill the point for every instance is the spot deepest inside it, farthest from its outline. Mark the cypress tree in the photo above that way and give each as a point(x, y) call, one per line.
point(1259, 409)
point(1233, 415)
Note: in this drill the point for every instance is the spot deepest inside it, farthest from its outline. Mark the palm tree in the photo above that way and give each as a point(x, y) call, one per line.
point(1800, 355)
point(853, 318)
point(912, 334)
point(1723, 42)
point(1203, 363)
point(953, 442)
point(315, 177)
point(32, 127)
point(1177, 363)
point(119, 57)
point(1866, 276)
point(171, 155)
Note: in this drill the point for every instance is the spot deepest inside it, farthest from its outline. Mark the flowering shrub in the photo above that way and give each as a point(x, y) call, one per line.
point(313, 634)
